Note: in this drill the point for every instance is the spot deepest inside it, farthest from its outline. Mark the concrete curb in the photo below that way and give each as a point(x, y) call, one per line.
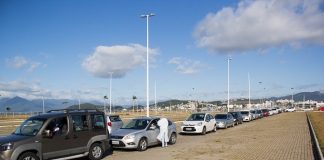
point(318, 155)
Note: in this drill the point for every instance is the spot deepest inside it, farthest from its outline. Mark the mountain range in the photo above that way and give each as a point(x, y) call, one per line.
point(18, 104)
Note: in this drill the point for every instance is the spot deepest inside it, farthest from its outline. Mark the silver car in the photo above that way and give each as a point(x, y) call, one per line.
point(141, 132)
point(113, 122)
point(224, 120)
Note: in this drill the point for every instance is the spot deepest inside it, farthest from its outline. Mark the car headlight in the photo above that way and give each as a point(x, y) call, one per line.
point(6, 146)
point(129, 137)
point(199, 124)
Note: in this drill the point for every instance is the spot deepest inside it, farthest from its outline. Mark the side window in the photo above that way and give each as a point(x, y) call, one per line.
point(80, 123)
point(98, 121)
point(58, 126)
point(207, 118)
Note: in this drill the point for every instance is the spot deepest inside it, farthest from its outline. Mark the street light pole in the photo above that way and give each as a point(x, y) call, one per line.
point(249, 90)
point(228, 85)
point(110, 97)
point(292, 97)
point(147, 16)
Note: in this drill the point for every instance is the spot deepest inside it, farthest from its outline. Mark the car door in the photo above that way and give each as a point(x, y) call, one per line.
point(208, 122)
point(152, 132)
point(80, 134)
point(58, 142)
point(212, 121)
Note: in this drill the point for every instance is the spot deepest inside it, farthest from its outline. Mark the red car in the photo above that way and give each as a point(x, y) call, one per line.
point(265, 112)
point(321, 109)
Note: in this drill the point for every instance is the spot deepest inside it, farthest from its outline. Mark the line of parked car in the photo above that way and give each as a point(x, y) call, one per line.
point(69, 134)
point(202, 123)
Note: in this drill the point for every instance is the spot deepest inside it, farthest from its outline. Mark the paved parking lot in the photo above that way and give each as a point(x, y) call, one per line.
point(283, 136)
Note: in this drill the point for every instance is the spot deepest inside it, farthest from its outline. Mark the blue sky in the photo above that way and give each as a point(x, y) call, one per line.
point(66, 49)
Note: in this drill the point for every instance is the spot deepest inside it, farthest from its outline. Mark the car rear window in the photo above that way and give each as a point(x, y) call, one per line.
point(245, 112)
point(221, 116)
point(114, 118)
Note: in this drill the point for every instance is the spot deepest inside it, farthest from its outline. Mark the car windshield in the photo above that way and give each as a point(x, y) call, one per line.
point(114, 118)
point(234, 114)
point(221, 116)
point(136, 124)
point(264, 110)
point(245, 112)
point(253, 111)
point(30, 127)
point(196, 117)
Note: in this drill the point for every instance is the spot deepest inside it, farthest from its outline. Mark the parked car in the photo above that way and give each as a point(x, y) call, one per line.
point(140, 133)
point(224, 120)
point(292, 109)
point(247, 116)
point(199, 123)
point(259, 113)
point(114, 122)
point(253, 114)
point(238, 119)
point(265, 112)
point(61, 134)
point(321, 109)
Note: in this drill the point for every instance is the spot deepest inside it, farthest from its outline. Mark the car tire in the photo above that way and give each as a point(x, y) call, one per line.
point(203, 131)
point(233, 125)
point(96, 151)
point(28, 156)
point(142, 144)
point(215, 129)
point(173, 138)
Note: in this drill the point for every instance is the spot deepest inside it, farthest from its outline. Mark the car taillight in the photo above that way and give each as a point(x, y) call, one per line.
point(109, 124)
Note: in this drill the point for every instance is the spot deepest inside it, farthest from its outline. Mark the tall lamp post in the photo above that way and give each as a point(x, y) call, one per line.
point(292, 97)
point(228, 85)
point(110, 92)
point(147, 16)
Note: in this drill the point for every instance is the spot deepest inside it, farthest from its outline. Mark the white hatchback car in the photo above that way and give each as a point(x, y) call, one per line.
point(199, 123)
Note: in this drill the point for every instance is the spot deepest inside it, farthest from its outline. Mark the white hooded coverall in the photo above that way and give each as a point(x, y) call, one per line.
point(163, 135)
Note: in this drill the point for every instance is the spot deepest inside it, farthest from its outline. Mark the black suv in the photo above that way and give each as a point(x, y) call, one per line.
point(58, 134)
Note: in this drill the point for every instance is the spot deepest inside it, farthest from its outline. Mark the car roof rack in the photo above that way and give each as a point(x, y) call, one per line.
point(73, 110)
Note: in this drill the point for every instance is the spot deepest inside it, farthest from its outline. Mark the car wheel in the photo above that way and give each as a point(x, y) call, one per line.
point(142, 144)
point(173, 138)
point(226, 126)
point(203, 131)
point(215, 128)
point(233, 125)
point(96, 151)
point(28, 156)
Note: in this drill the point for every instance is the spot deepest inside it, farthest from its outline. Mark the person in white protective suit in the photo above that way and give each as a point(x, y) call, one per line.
point(163, 135)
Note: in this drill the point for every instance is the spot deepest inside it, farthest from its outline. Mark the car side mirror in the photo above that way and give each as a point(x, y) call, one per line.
point(153, 127)
point(47, 134)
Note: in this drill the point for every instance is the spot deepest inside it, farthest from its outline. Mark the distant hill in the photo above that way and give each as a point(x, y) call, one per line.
point(85, 106)
point(18, 104)
point(316, 96)
point(171, 102)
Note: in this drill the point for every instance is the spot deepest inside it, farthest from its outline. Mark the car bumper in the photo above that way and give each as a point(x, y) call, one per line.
point(191, 129)
point(221, 125)
point(246, 119)
point(126, 144)
point(6, 155)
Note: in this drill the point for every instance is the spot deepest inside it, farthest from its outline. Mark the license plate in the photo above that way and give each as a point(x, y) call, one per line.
point(115, 142)
point(188, 129)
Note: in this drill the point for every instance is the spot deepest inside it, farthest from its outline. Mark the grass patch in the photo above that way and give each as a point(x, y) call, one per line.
point(317, 119)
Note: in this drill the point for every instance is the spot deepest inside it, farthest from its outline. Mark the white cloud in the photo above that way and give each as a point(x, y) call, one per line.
point(19, 62)
point(186, 66)
point(118, 59)
point(260, 24)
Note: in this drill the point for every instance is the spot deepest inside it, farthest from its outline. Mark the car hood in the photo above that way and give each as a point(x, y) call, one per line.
point(124, 132)
point(191, 122)
point(12, 138)
point(221, 120)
